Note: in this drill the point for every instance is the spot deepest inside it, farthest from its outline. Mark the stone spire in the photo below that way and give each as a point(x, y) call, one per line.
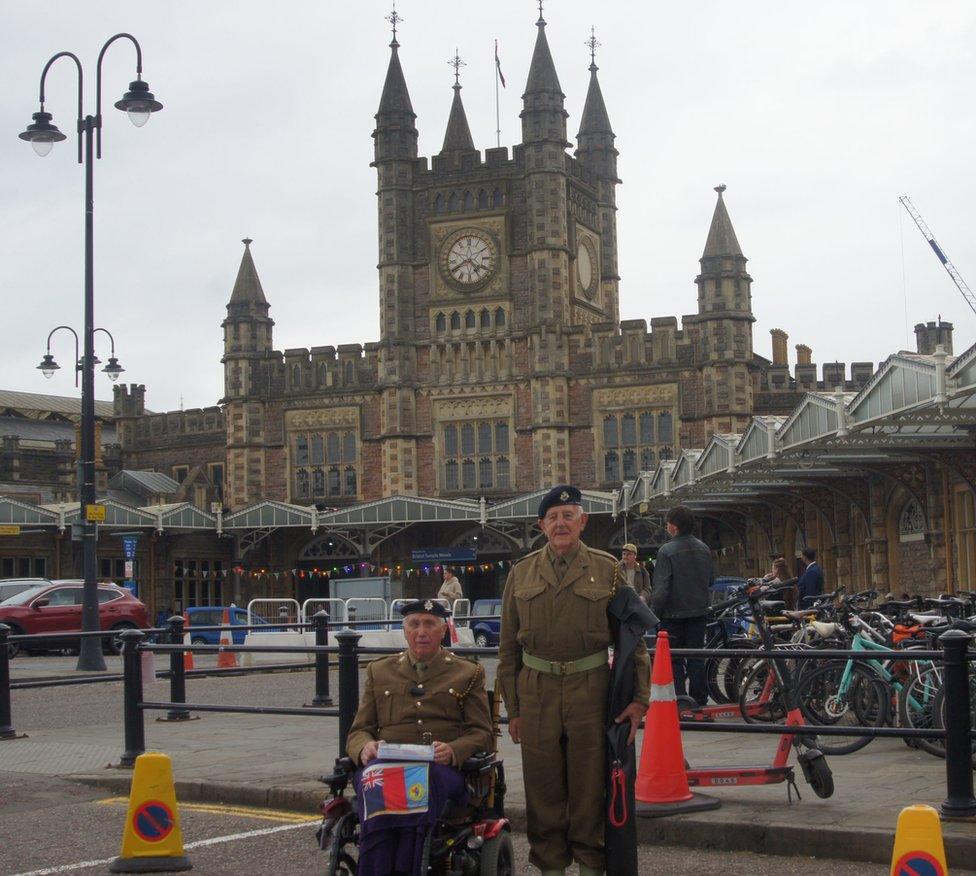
point(721, 236)
point(595, 119)
point(396, 133)
point(542, 71)
point(458, 134)
point(247, 287)
point(395, 99)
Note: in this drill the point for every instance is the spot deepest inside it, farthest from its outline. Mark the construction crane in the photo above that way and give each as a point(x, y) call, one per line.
point(948, 265)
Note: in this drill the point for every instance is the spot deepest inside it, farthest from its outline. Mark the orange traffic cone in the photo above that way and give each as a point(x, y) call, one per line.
point(662, 782)
point(226, 659)
point(187, 655)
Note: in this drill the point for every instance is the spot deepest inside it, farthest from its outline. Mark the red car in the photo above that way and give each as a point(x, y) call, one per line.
point(56, 608)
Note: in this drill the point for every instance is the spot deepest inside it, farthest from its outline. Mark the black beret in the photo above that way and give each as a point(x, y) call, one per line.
point(425, 606)
point(563, 494)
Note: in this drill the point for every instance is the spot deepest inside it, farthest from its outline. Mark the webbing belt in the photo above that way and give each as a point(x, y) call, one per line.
point(565, 667)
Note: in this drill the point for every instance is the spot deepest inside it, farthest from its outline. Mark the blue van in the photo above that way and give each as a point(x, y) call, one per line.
point(485, 623)
point(213, 616)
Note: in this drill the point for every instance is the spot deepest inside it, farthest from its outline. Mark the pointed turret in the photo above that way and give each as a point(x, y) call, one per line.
point(247, 287)
point(595, 119)
point(721, 241)
point(458, 134)
point(396, 133)
point(543, 114)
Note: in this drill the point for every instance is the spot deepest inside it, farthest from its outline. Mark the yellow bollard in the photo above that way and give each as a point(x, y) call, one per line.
point(918, 850)
point(152, 841)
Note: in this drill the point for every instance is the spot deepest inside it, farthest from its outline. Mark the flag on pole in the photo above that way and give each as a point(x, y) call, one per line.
point(498, 66)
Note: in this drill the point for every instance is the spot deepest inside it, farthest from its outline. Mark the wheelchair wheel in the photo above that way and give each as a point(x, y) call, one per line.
point(498, 856)
point(345, 839)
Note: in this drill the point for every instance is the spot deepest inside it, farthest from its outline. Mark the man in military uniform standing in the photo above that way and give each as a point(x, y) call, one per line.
point(554, 675)
point(423, 696)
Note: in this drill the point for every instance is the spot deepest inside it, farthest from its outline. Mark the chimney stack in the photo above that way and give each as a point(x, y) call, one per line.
point(803, 354)
point(929, 335)
point(780, 339)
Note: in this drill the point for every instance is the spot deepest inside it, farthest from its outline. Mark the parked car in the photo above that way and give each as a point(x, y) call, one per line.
point(485, 623)
point(213, 616)
point(723, 587)
point(12, 586)
point(55, 607)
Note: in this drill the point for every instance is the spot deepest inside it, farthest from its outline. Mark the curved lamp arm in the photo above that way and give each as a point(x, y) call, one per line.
point(77, 352)
point(107, 332)
point(98, 83)
point(47, 67)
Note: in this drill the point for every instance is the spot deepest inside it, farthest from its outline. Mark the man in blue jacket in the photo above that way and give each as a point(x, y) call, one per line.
point(680, 596)
point(811, 583)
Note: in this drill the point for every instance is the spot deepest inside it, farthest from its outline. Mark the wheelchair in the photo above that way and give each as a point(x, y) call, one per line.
point(469, 840)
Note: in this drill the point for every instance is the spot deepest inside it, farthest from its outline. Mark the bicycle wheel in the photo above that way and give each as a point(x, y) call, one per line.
point(827, 701)
point(938, 710)
point(720, 672)
point(761, 697)
point(916, 707)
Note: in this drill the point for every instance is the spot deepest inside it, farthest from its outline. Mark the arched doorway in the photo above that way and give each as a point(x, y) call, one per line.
point(327, 553)
point(485, 577)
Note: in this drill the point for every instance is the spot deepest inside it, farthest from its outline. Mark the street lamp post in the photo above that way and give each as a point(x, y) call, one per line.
point(138, 102)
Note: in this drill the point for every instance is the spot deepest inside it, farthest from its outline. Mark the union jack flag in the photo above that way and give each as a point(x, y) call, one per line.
point(372, 779)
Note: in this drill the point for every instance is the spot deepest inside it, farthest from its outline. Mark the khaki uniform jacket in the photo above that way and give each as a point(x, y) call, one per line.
point(642, 580)
point(389, 711)
point(556, 620)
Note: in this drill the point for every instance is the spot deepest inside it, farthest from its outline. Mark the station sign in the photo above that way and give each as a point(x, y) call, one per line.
point(95, 513)
point(443, 555)
point(9, 529)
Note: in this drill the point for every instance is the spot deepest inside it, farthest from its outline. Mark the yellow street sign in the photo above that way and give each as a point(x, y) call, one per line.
point(9, 530)
point(95, 513)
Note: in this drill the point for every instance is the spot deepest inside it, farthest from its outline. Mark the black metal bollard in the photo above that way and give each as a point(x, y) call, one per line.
point(959, 801)
point(320, 620)
point(132, 715)
point(6, 721)
point(177, 671)
point(348, 683)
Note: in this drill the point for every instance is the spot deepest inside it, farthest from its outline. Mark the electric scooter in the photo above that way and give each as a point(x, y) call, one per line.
point(812, 762)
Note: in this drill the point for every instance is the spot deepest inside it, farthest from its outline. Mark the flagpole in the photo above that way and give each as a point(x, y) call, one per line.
point(498, 124)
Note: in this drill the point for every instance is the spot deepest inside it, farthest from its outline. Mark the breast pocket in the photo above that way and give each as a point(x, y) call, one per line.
point(593, 605)
point(529, 603)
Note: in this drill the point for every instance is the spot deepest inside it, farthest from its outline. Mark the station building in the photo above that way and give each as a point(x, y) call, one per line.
point(502, 367)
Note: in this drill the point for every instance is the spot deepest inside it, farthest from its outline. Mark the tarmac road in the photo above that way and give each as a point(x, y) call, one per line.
point(50, 826)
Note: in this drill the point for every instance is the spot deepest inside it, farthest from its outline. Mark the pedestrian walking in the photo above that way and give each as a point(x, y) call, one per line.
point(554, 676)
point(635, 574)
point(450, 588)
point(683, 577)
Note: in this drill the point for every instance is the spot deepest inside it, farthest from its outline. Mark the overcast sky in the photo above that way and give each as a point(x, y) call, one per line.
point(816, 117)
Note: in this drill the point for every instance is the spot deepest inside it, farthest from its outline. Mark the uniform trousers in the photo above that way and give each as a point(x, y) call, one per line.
point(563, 764)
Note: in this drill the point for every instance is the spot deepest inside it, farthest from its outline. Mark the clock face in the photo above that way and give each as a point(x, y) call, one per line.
point(469, 259)
point(586, 268)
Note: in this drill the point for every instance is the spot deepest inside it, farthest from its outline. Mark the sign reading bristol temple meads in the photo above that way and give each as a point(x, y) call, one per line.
point(502, 367)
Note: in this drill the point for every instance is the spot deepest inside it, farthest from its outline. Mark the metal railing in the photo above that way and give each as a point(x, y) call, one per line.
point(954, 656)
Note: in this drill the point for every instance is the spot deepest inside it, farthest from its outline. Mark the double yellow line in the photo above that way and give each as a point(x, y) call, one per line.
point(279, 815)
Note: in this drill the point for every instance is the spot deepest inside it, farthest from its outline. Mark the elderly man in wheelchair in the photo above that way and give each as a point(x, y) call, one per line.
point(428, 787)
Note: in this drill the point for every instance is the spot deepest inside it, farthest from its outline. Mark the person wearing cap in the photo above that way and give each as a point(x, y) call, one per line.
point(634, 574)
point(423, 696)
point(554, 675)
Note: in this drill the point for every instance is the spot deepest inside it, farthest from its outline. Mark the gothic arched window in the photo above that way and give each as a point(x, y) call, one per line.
point(665, 427)
point(349, 447)
point(647, 428)
point(469, 320)
point(455, 320)
point(499, 317)
point(484, 437)
point(318, 482)
point(482, 200)
point(318, 450)
point(452, 203)
point(440, 323)
point(301, 482)
point(301, 450)
point(648, 462)
point(610, 466)
point(485, 319)
point(333, 447)
point(350, 481)
point(334, 489)
point(323, 373)
point(497, 198)
point(501, 473)
point(467, 438)
point(911, 523)
point(501, 437)
point(467, 474)
point(296, 377)
point(628, 430)
point(350, 372)
point(468, 201)
point(439, 204)
point(630, 464)
point(451, 475)
point(484, 473)
point(610, 431)
point(450, 441)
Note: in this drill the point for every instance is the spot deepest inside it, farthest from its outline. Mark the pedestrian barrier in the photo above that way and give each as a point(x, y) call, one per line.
point(918, 848)
point(152, 841)
point(662, 787)
point(954, 656)
point(284, 611)
point(335, 608)
point(367, 608)
point(461, 611)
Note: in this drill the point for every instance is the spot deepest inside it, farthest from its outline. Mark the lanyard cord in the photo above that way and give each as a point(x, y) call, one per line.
point(618, 814)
